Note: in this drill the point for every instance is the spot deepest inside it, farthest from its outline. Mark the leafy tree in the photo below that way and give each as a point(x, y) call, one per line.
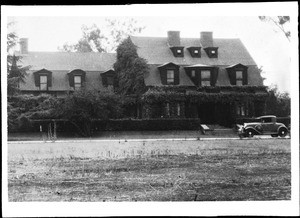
point(130, 69)
point(278, 104)
point(280, 22)
point(93, 39)
point(119, 31)
point(15, 73)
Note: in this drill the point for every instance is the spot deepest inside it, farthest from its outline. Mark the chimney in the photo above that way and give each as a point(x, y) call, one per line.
point(24, 45)
point(174, 38)
point(206, 39)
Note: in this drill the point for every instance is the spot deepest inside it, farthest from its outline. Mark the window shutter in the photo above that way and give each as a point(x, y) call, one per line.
point(214, 76)
point(163, 76)
point(245, 77)
point(232, 76)
point(49, 80)
point(104, 80)
point(71, 80)
point(82, 79)
point(176, 77)
point(37, 79)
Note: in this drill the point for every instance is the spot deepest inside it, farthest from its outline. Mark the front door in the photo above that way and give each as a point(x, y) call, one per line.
point(206, 113)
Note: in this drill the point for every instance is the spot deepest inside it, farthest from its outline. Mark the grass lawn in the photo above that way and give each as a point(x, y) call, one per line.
point(150, 171)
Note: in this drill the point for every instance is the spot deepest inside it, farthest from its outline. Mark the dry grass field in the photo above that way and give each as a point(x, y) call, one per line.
point(221, 170)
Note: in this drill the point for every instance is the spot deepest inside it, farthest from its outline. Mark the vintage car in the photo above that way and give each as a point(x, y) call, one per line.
point(264, 125)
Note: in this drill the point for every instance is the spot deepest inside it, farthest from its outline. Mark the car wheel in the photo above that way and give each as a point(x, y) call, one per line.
point(282, 132)
point(249, 133)
point(274, 135)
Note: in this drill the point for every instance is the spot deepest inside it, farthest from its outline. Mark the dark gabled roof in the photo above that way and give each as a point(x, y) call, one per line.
point(156, 51)
point(68, 61)
point(236, 65)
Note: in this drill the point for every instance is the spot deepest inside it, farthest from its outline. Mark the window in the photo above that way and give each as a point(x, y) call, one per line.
point(193, 73)
point(212, 52)
point(240, 110)
point(170, 76)
point(266, 120)
point(110, 81)
point(177, 51)
point(77, 82)
point(167, 109)
point(239, 78)
point(43, 82)
point(178, 109)
point(205, 77)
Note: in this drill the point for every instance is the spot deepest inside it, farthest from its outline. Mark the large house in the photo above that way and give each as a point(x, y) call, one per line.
point(215, 80)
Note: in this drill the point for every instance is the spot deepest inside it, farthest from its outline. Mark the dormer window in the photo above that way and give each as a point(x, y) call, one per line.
point(177, 51)
point(76, 79)
point(238, 74)
point(77, 82)
point(43, 82)
point(202, 75)
point(212, 52)
point(205, 77)
point(193, 73)
point(170, 77)
point(239, 77)
point(169, 74)
point(43, 79)
point(195, 51)
point(108, 78)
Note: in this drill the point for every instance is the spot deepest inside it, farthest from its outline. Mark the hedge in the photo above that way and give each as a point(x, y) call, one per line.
point(148, 124)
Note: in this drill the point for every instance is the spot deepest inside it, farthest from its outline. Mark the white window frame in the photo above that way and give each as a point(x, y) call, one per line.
point(77, 85)
point(205, 81)
point(239, 80)
point(170, 79)
point(45, 84)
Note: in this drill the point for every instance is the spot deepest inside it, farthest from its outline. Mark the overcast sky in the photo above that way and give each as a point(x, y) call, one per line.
point(267, 45)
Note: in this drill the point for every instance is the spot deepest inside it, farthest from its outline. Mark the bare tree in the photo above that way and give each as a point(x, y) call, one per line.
point(280, 22)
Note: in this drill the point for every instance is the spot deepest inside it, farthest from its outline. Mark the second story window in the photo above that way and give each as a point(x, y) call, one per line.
point(239, 78)
point(107, 78)
point(205, 77)
point(238, 74)
point(193, 73)
point(77, 82)
point(110, 81)
point(43, 79)
point(76, 79)
point(43, 82)
point(170, 76)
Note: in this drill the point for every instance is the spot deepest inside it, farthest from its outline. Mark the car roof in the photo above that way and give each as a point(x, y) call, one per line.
point(266, 116)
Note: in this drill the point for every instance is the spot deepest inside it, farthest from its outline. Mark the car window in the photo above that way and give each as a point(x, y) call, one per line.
point(267, 120)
